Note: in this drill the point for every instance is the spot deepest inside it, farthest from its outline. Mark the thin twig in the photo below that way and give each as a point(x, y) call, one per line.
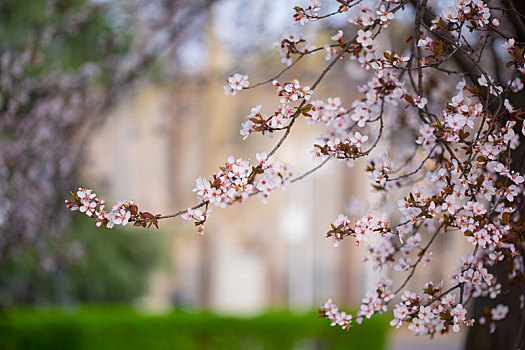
point(421, 254)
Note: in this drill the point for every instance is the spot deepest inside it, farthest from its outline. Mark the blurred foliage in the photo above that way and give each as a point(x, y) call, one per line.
point(63, 65)
point(122, 328)
point(99, 265)
point(75, 32)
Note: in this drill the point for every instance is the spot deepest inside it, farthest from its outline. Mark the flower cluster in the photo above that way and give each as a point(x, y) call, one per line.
point(289, 92)
point(516, 53)
point(496, 314)
point(379, 167)
point(429, 313)
point(381, 255)
point(364, 16)
point(327, 113)
point(434, 51)
point(258, 122)
point(311, 12)
point(85, 201)
point(334, 50)
point(198, 216)
point(236, 82)
point(237, 180)
point(374, 302)
point(339, 142)
point(476, 12)
point(405, 258)
point(293, 43)
point(363, 228)
point(292, 91)
point(331, 311)
point(365, 50)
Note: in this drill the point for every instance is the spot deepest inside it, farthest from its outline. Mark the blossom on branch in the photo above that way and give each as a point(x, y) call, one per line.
point(236, 82)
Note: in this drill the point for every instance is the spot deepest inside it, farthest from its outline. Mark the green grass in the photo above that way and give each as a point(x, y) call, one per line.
point(122, 328)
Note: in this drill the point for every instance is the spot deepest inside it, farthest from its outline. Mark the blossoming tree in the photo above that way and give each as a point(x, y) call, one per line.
point(455, 86)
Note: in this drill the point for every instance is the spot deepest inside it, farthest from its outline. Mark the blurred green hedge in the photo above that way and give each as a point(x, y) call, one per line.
point(114, 267)
point(122, 328)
